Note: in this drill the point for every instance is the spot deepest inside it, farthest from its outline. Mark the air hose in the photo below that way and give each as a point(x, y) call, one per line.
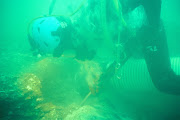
point(107, 42)
point(134, 76)
point(51, 8)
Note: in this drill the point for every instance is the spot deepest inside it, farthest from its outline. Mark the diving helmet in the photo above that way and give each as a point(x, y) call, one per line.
point(43, 36)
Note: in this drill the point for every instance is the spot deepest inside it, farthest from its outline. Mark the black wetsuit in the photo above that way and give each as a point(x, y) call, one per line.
point(155, 49)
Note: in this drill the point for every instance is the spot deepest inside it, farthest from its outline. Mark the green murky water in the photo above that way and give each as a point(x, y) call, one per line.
point(89, 60)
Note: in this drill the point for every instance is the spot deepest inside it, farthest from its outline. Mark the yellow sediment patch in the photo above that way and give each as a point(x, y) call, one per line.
point(30, 83)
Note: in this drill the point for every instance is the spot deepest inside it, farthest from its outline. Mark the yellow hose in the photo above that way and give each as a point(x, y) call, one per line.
point(118, 8)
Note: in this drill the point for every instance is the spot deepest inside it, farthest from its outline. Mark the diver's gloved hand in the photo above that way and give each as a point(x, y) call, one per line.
point(94, 88)
point(94, 85)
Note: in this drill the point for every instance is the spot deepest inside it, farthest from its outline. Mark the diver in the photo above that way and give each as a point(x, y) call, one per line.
point(54, 35)
point(152, 38)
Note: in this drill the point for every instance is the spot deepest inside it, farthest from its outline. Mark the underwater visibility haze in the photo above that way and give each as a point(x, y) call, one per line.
point(89, 60)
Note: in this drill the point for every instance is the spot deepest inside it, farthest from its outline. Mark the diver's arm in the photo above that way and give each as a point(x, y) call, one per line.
point(156, 54)
point(153, 11)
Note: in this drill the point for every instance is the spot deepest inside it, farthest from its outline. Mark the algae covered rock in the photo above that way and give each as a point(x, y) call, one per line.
point(59, 87)
point(50, 111)
point(84, 113)
point(30, 84)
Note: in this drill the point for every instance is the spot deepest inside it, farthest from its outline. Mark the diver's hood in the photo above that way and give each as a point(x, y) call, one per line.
point(136, 18)
point(41, 35)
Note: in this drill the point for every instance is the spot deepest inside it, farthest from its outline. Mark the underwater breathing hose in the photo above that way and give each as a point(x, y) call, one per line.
point(118, 8)
point(51, 8)
point(120, 55)
point(134, 76)
point(107, 42)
